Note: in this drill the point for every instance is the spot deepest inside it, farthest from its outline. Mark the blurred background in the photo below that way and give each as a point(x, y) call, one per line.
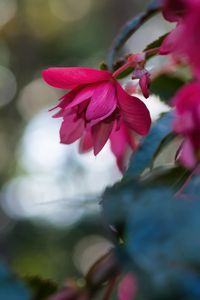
point(50, 223)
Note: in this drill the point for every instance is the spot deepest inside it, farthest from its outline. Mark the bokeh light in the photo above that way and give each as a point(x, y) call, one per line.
point(8, 86)
point(70, 10)
point(8, 9)
point(35, 96)
point(59, 181)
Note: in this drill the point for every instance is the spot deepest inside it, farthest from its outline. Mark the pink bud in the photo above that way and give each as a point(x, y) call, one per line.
point(145, 84)
point(144, 80)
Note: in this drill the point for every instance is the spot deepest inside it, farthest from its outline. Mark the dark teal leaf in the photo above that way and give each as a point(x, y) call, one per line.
point(143, 157)
point(163, 242)
point(116, 201)
point(11, 288)
point(192, 188)
point(166, 86)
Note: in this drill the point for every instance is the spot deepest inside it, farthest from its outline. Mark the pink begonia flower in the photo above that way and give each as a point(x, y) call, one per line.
point(173, 10)
point(187, 122)
point(97, 108)
point(127, 288)
point(184, 40)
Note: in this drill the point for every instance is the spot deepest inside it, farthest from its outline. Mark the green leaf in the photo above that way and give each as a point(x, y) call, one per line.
point(166, 86)
point(41, 288)
point(155, 44)
point(143, 157)
point(168, 139)
point(171, 176)
point(11, 288)
point(103, 66)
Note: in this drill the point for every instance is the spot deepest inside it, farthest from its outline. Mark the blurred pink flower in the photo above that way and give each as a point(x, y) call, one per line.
point(187, 123)
point(184, 40)
point(173, 10)
point(127, 288)
point(95, 108)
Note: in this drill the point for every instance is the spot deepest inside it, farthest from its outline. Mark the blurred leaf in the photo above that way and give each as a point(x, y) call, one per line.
point(41, 288)
point(143, 157)
point(169, 138)
point(166, 86)
point(192, 189)
point(163, 242)
point(103, 66)
point(10, 287)
point(171, 176)
point(155, 4)
point(117, 201)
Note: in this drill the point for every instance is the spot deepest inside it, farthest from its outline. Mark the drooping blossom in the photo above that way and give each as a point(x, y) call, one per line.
point(184, 40)
point(187, 123)
point(127, 288)
point(97, 108)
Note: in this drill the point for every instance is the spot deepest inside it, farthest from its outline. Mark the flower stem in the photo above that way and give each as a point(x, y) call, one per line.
point(122, 69)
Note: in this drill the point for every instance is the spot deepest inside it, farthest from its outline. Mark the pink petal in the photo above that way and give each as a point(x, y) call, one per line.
point(65, 100)
point(83, 95)
point(71, 130)
point(69, 78)
point(134, 112)
point(103, 102)
point(187, 154)
point(100, 135)
point(120, 144)
point(86, 142)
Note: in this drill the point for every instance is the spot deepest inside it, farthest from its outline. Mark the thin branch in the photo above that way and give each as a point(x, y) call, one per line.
point(127, 31)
